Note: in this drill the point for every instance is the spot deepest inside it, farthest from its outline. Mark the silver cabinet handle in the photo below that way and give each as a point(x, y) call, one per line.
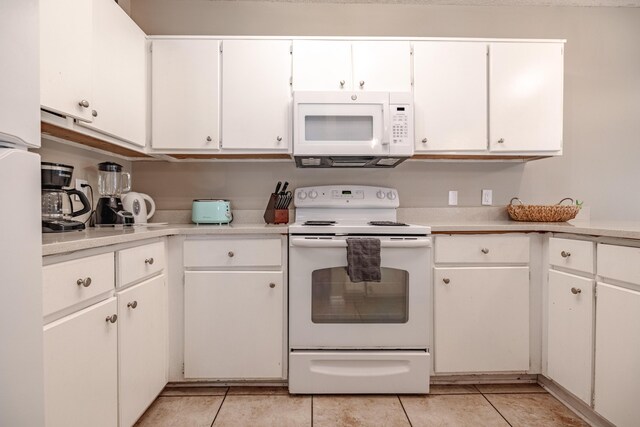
point(112, 319)
point(272, 285)
point(484, 250)
point(424, 140)
point(149, 261)
point(565, 254)
point(361, 83)
point(231, 254)
point(84, 103)
point(576, 291)
point(84, 282)
point(342, 82)
point(501, 141)
point(94, 113)
point(132, 304)
point(209, 139)
point(279, 138)
point(446, 281)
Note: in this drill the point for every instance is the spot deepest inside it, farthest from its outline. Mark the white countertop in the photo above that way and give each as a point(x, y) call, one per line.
point(92, 238)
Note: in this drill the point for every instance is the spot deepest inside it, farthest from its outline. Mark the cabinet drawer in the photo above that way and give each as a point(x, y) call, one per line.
point(233, 253)
point(619, 263)
point(574, 254)
point(482, 249)
point(140, 262)
point(72, 282)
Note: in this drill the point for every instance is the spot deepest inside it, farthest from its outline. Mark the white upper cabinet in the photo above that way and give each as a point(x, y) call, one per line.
point(66, 29)
point(255, 87)
point(525, 99)
point(382, 66)
point(184, 94)
point(450, 95)
point(19, 85)
point(119, 74)
point(322, 65)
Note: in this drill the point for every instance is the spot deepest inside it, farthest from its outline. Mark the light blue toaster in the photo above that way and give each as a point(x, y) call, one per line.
point(210, 211)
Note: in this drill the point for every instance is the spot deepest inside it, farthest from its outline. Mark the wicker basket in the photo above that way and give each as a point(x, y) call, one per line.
point(542, 213)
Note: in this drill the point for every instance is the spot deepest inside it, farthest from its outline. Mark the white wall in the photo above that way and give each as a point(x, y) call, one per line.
point(601, 115)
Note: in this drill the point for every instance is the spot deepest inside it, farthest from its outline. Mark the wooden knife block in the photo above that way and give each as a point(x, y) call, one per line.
point(273, 215)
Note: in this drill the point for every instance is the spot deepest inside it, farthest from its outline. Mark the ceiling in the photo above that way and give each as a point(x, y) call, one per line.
point(589, 3)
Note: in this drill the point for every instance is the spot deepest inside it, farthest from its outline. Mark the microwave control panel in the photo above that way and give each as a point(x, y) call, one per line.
point(401, 137)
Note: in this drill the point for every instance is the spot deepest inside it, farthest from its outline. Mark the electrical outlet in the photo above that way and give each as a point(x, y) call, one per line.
point(487, 197)
point(79, 187)
point(453, 198)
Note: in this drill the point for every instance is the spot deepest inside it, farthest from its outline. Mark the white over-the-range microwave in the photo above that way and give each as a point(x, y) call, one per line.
point(352, 129)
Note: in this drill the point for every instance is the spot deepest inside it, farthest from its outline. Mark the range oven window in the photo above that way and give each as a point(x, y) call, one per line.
point(336, 299)
point(338, 128)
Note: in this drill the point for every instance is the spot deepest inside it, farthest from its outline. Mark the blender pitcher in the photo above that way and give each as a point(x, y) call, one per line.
point(112, 182)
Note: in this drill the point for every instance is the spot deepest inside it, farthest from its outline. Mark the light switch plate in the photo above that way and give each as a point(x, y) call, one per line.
point(453, 198)
point(487, 197)
point(85, 190)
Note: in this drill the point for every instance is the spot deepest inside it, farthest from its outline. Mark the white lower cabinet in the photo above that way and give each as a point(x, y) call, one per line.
point(81, 368)
point(142, 342)
point(481, 319)
point(570, 333)
point(617, 364)
point(234, 324)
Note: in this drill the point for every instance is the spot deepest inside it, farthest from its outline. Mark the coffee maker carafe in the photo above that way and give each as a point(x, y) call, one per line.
point(55, 176)
point(112, 182)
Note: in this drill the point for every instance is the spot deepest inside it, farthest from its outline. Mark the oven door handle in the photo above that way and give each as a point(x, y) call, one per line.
point(330, 243)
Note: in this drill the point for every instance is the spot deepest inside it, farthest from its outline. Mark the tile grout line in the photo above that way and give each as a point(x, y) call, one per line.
point(312, 410)
point(496, 409)
point(404, 410)
point(220, 407)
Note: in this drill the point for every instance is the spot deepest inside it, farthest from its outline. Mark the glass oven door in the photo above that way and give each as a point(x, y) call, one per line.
point(327, 310)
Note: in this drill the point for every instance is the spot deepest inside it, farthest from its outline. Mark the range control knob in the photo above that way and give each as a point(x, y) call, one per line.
point(391, 195)
point(380, 194)
point(302, 195)
point(313, 194)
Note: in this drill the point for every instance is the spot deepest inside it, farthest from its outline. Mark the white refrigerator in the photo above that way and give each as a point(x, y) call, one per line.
point(21, 366)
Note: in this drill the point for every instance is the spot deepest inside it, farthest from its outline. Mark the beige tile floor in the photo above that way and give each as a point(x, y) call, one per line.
point(499, 405)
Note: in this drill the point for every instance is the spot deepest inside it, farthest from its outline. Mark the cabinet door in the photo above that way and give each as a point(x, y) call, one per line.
point(66, 33)
point(322, 65)
point(185, 94)
point(255, 84)
point(617, 378)
point(119, 73)
point(20, 84)
point(382, 66)
point(450, 95)
point(570, 333)
point(234, 324)
point(142, 343)
point(81, 368)
point(525, 96)
point(470, 327)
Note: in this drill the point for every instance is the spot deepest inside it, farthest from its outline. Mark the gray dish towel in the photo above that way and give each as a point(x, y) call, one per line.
point(363, 260)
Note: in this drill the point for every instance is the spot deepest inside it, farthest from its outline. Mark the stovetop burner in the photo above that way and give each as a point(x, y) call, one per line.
point(319, 223)
point(388, 223)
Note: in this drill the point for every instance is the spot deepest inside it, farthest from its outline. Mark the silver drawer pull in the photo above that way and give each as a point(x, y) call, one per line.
point(576, 291)
point(278, 138)
point(565, 254)
point(84, 282)
point(272, 285)
point(231, 254)
point(342, 82)
point(484, 250)
point(84, 103)
point(132, 304)
point(149, 261)
point(112, 319)
point(446, 281)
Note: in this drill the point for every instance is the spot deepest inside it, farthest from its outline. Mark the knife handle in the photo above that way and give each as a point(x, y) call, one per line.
point(278, 187)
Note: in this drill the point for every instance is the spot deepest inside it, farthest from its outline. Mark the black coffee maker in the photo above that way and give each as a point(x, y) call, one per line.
point(55, 176)
point(112, 182)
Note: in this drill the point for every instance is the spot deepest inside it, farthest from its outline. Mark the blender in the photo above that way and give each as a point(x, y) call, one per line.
point(112, 182)
point(55, 176)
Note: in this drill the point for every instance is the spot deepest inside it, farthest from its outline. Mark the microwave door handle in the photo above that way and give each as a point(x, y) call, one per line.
point(385, 124)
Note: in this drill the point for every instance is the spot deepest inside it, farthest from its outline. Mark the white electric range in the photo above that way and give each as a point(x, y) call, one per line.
point(365, 337)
